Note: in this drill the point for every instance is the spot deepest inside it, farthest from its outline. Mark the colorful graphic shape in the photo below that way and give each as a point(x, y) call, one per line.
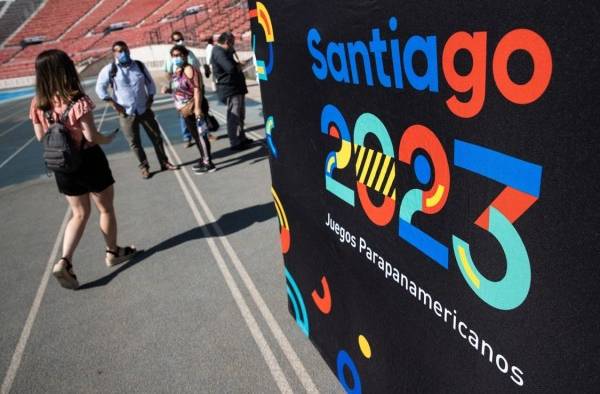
point(269, 127)
point(372, 165)
point(264, 68)
point(345, 361)
point(418, 138)
point(297, 303)
point(283, 223)
point(523, 182)
point(323, 303)
point(334, 125)
point(364, 346)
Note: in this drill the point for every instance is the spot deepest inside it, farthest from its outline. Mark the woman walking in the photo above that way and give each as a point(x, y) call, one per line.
point(60, 98)
point(188, 90)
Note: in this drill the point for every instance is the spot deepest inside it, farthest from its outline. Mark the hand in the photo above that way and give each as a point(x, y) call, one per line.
point(198, 112)
point(110, 138)
point(118, 107)
point(165, 90)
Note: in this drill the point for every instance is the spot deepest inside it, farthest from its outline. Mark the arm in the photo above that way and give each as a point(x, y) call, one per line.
point(90, 132)
point(102, 89)
point(193, 75)
point(228, 65)
point(39, 131)
point(150, 86)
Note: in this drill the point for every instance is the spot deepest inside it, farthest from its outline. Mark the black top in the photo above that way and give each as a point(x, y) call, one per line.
point(230, 79)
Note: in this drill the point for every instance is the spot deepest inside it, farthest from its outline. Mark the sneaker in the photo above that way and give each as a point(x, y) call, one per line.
point(197, 166)
point(239, 147)
point(145, 173)
point(204, 168)
point(63, 272)
point(247, 141)
point(121, 255)
point(189, 143)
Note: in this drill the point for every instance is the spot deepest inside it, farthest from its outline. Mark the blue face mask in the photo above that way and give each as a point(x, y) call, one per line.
point(123, 57)
point(177, 62)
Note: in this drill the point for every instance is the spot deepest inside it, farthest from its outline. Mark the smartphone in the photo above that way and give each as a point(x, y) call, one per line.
point(115, 131)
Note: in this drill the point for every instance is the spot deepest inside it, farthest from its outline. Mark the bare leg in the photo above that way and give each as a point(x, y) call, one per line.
point(80, 208)
point(108, 219)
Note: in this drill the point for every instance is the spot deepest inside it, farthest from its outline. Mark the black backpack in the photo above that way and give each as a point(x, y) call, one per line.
point(60, 152)
point(113, 72)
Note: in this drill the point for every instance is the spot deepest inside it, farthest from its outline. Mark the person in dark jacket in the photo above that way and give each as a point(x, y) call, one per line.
point(231, 89)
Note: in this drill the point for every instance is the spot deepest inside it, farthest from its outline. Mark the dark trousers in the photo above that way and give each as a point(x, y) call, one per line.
point(130, 124)
point(202, 141)
point(236, 113)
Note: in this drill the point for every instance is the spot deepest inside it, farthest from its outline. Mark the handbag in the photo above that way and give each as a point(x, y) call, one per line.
point(187, 109)
point(212, 123)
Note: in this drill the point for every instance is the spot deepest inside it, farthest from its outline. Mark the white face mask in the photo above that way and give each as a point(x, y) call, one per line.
point(179, 42)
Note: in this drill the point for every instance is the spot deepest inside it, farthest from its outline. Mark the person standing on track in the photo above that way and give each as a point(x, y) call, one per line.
point(132, 96)
point(231, 89)
point(60, 98)
point(187, 89)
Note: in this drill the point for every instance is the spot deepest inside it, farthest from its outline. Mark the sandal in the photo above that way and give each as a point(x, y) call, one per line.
point(121, 255)
point(63, 272)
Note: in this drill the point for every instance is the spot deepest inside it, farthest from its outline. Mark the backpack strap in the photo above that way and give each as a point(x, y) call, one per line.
point(112, 74)
point(65, 115)
point(143, 68)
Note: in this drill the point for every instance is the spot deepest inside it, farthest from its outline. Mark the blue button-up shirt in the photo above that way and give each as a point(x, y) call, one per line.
point(131, 87)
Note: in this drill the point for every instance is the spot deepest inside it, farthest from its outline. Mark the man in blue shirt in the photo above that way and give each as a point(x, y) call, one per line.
point(132, 95)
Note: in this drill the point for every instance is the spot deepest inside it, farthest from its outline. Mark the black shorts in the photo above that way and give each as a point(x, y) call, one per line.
point(93, 176)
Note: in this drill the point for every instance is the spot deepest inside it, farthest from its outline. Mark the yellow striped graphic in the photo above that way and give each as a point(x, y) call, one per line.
point(361, 154)
point(365, 169)
point(382, 173)
point(280, 211)
point(372, 170)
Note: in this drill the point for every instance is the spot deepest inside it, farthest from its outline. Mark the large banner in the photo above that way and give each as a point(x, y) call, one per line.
point(435, 173)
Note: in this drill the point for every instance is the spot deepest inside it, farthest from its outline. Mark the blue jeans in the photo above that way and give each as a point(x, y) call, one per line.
point(185, 133)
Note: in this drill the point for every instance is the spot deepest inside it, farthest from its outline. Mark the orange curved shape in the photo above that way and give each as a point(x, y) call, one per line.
point(381, 215)
point(285, 240)
point(323, 303)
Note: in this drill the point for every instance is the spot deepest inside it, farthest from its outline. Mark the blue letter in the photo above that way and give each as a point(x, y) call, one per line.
point(378, 47)
point(353, 50)
point(429, 48)
point(341, 75)
point(314, 38)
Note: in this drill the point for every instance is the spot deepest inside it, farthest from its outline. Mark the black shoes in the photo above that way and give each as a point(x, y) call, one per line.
point(202, 168)
point(245, 144)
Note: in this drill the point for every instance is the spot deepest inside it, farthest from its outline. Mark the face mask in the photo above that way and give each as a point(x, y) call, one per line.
point(177, 62)
point(179, 42)
point(123, 57)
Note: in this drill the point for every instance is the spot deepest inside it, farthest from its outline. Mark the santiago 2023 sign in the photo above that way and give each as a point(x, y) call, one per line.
point(434, 173)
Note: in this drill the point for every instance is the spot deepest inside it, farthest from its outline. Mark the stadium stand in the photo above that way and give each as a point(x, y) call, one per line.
point(134, 12)
point(96, 16)
point(86, 35)
point(53, 19)
point(14, 14)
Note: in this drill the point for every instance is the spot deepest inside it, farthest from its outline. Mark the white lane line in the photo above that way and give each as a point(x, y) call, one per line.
point(255, 330)
point(17, 152)
point(12, 128)
point(276, 330)
point(224, 119)
point(15, 362)
point(102, 118)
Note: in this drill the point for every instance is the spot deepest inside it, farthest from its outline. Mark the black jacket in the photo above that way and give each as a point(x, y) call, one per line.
point(230, 79)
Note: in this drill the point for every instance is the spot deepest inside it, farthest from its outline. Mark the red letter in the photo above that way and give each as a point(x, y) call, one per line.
point(474, 80)
point(532, 43)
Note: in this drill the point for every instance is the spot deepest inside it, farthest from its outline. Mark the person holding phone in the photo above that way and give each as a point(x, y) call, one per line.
point(58, 89)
